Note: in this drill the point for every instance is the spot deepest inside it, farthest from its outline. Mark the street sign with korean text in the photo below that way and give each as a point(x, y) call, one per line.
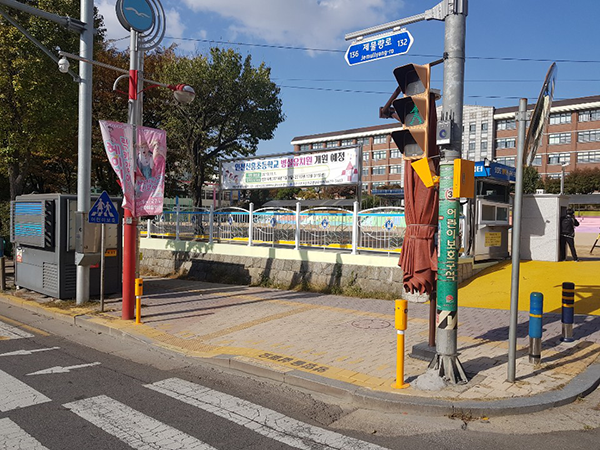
point(379, 47)
point(103, 211)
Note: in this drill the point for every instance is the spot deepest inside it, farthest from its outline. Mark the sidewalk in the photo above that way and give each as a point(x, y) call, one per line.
point(346, 346)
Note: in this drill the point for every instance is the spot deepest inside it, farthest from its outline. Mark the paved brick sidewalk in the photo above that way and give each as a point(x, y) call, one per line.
point(353, 340)
point(346, 343)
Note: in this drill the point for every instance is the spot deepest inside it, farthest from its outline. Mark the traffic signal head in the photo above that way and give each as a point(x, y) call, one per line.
point(416, 110)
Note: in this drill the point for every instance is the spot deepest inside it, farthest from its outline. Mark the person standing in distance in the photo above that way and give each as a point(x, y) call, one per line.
point(567, 235)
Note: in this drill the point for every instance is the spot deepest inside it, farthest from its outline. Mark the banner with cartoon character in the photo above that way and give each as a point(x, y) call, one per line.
point(143, 191)
point(150, 175)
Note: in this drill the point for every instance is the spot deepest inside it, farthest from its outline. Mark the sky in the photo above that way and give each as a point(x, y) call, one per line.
point(510, 45)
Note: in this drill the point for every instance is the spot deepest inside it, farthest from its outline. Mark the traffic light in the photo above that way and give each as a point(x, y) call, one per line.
point(416, 111)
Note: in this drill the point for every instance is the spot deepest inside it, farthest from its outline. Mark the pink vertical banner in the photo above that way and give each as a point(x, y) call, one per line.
point(117, 139)
point(150, 174)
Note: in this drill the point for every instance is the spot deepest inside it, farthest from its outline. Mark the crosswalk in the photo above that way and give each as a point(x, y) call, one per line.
point(146, 430)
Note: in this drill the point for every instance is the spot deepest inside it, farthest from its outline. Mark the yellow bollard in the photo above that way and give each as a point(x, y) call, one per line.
point(139, 290)
point(401, 312)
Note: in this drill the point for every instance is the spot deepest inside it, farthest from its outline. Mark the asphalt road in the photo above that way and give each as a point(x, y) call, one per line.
point(62, 387)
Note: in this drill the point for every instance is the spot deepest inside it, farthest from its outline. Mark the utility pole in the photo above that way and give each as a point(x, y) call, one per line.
point(84, 146)
point(446, 361)
point(454, 14)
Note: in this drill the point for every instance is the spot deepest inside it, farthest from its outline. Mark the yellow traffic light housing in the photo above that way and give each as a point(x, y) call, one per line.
point(414, 110)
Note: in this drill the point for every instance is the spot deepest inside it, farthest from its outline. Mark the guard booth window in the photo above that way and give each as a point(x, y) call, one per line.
point(492, 191)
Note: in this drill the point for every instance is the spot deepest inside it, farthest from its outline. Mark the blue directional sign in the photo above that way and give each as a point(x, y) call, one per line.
point(103, 211)
point(379, 47)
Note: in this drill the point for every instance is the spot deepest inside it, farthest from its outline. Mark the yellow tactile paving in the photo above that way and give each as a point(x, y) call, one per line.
point(491, 287)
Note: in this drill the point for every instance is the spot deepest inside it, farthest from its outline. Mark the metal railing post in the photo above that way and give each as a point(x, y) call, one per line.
point(355, 229)
point(211, 225)
point(149, 229)
point(250, 223)
point(297, 234)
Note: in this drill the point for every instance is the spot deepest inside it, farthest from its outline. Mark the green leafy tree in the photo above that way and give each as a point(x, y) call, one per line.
point(552, 185)
point(38, 104)
point(582, 181)
point(236, 106)
point(532, 180)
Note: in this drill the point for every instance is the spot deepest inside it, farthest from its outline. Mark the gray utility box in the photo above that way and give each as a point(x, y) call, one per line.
point(43, 231)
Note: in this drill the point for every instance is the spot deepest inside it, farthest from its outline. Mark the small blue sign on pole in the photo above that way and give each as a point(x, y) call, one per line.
point(379, 47)
point(103, 211)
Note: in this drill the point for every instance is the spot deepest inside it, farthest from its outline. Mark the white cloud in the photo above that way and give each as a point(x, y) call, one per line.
point(310, 23)
point(114, 29)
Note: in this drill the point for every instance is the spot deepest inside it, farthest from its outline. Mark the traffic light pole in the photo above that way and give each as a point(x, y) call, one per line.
point(446, 361)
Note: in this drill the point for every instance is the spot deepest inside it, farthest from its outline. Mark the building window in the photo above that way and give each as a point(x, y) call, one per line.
point(346, 142)
point(506, 124)
point(378, 184)
point(304, 147)
point(588, 157)
point(558, 118)
point(484, 126)
point(537, 161)
point(472, 145)
point(554, 176)
point(471, 155)
point(380, 139)
point(378, 170)
point(330, 144)
point(365, 172)
point(379, 154)
point(472, 128)
point(558, 158)
point(589, 115)
point(588, 136)
point(365, 186)
point(318, 145)
point(364, 141)
point(559, 138)
point(395, 153)
point(396, 169)
point(506, 143)
point(507, 161)
point(484, 147)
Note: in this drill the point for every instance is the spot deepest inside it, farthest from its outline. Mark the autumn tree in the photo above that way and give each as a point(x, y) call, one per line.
point(236, 106)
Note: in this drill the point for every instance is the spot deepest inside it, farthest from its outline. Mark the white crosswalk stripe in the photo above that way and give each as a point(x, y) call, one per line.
point(15, 438)
point(264, 421)
point(132, 427)
point(9, 332)
point(16, 394)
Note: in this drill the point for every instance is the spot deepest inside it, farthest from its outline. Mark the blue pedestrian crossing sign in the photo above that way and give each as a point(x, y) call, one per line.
point(103, 211)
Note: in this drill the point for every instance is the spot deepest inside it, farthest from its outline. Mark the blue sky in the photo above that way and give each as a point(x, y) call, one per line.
point(321, 93)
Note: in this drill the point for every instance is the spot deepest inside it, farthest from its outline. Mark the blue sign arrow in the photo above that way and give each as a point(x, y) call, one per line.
point(103, 211)
point(380, 47)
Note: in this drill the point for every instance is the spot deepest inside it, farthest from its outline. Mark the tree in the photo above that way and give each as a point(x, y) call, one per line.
point(38, 104)
point(532, 180)
point(236, 105)
point(582, 181)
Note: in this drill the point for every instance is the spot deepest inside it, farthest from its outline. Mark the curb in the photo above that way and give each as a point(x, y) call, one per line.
point(580, 386)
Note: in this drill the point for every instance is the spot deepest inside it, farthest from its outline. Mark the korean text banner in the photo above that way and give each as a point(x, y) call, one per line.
point(117, 139)
point(144, 196)
point(325, 168)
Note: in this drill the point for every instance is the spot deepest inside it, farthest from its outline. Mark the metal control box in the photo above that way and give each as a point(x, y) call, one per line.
point(44, 231)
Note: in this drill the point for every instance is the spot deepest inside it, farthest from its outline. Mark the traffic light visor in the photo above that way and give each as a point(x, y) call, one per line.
point(413, 79)
point(411, 143)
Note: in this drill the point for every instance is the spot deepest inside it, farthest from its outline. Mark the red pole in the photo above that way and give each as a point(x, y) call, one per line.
point(129, 219)
point(129, 257)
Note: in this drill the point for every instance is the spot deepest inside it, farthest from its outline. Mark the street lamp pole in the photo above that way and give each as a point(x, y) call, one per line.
point(84, 145)
point(130, 250)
